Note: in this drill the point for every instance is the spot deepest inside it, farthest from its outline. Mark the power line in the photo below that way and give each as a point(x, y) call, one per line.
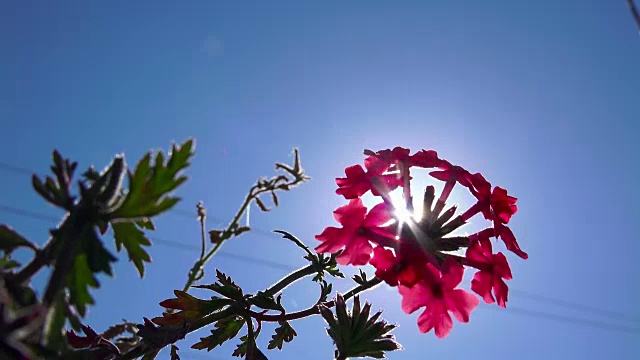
point(516, 310)
point(15, 169)
point(569, 319)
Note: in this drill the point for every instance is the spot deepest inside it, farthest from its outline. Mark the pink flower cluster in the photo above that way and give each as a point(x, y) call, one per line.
point(416, 254)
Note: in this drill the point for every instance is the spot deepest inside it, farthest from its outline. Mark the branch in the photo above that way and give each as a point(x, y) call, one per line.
point(314, 309)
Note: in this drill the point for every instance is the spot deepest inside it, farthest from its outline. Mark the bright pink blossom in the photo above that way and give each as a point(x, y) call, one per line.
point(479, 185)
point(496, 206)
point(452, 172)
point(352, 237)
point(439, 297)
point(359, 181)
point(425, 159)
point(391, 156)
point(493, 269)
point(406, 266)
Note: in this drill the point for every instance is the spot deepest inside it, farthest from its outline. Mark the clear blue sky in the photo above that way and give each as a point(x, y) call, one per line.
point(542, 97)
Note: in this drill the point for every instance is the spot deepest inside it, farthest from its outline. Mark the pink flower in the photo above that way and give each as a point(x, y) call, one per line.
point(493, 269)
point(455, 172)
point(502, 205)
point(425, 159)
point(391, 156)
point(359, 181)
point(439, 297)
point(353, 236)
point(405, 267)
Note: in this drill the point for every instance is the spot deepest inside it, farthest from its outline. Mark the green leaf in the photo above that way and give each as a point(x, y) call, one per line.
point(114, 330)
point(284, 333)
point(241, 349)
point(174, 352)
point(248, 349)
point(54, 324)
point(360, 279)
point(127, 234)
point(6, 263)
point(355, 334)
point(225, 287)
point(10, 240)
point(325, 290)
point(99, 259)
point(264, 301)
point(225, 329)
point(79, 279)
point(149, 184)
point(191, 308)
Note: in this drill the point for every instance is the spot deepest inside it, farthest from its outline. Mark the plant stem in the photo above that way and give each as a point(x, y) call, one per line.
point(72, 230)
point(197, 267)
point(314, 309)
point(290, 279)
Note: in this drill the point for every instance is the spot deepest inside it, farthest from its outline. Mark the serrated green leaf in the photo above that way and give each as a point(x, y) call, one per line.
point(191, 308)
point(225, 329)
point(355, 334)
point(11, 239)
point(174, 352)
point(127, 234)
point(264, 301)
point(225, 287)
point(7, 263)
point(114, 330)
point(284, 333)
point(99, 259)
point(149, 185)
point(248, 349)
point(145, 223)
point(241, 349)
point(335, 272)
point(79, 279)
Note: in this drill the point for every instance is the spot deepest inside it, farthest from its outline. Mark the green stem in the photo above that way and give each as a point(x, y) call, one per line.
point(290, 279)
point(197, 267)
point(314, 309)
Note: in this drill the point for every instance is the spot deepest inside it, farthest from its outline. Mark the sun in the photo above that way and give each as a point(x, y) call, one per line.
point(402, 214)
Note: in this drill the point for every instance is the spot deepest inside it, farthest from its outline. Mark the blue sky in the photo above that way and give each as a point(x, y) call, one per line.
point(541, 97)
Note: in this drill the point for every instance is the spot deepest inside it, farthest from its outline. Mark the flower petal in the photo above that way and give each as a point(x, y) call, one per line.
point(482, 284)
point(501, 266)
point(425, 159)
point(333, 239)
point(415, 297)
point(510, 241)
point(356, 252)
point(461, 303)
point(377, 216)
point(502, 292)
point(452, 273)
point(435, 318)
point(351, 214)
